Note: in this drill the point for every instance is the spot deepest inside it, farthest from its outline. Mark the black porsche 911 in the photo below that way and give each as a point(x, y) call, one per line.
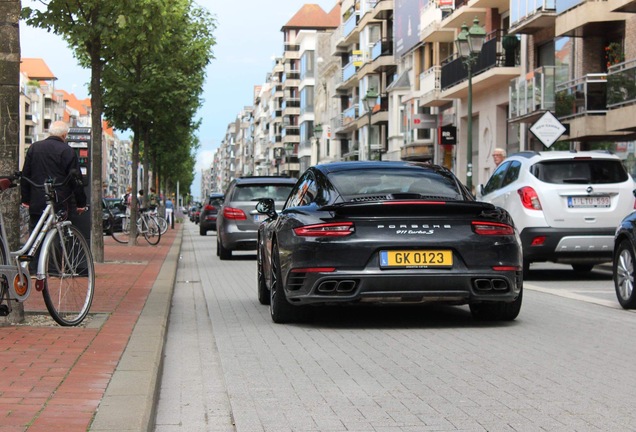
point(387, 232)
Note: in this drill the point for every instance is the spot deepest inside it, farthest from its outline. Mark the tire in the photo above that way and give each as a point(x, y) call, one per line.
point(153, 233)
point(124, 235)
point(218, 246)
point(224, 254)
point(70, 277)
point(526, 268)
point(280, 309)
point(582, 268)
point(623, 270)
point(163, 224)
point(497, 311)
point(202, 231)
point(263, 292)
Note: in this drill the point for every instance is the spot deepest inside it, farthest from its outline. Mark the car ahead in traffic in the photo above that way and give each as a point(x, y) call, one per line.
point(565, 204)
point(237, 223)
point(386, 232)
point(112, 208)
point(207, 219)
point(624, 262)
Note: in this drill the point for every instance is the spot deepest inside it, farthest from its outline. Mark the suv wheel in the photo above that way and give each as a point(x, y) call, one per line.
point(203, 231)
point(224, 254)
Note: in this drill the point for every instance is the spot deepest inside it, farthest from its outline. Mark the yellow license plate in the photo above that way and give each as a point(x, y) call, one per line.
point(416, 258)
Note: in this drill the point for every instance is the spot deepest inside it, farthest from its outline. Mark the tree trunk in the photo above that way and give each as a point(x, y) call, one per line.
point(134, 180)
point(97, 236)
point(146, 164)
point(10, 126)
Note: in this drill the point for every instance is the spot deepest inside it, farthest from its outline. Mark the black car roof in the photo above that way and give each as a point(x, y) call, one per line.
point(265, 180)
point(358, 165)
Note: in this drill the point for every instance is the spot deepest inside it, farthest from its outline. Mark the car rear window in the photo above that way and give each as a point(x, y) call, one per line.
point(395, 181)
point(580, 171)
point(278, 192)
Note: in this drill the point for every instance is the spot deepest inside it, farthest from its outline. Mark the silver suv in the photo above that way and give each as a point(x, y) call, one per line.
point(566, 205)
point(237, 222)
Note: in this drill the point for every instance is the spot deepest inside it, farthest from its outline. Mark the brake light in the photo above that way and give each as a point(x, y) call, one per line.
point(538, 241)
point(492, 228)
point(412, 202)
point(314, 270)
point(209, 207)
point(506, 268)
point(334, 229)
point(233, 213)
point(529, 198)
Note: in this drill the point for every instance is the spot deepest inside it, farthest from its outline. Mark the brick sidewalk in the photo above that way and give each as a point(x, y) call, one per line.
point(53, 378)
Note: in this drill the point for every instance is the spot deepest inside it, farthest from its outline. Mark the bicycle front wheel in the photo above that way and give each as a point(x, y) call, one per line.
point(152, 232)
point(121, 234)
point(70, 277)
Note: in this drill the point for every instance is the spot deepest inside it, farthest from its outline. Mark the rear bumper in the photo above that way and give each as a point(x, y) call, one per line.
point(568, 245)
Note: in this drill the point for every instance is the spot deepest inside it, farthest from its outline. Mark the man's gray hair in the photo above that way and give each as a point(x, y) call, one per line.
point(58, 129)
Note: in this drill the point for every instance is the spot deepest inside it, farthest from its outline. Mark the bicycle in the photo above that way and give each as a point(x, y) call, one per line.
point(65, 270)
point(161, 221)
point(146, 225)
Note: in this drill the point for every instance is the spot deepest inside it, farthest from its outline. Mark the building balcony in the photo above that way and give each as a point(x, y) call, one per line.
point(532, 95)
point(463, 14)
point(383, 9)
point(582, 103)
point(380, 111)
point(348, 119)
point(349, 79)
point(430, 22)
point(498, 63)
point(586, 18)
point(430, 88)
point(290, 102)
point(621, 97)
point(531, 16)
point(417, 151)
point(350, 29)
point(501, 5)
point(382, 56)
point(350, 150)
point(366, 13)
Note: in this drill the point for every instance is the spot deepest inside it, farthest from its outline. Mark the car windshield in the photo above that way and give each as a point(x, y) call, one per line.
point(581, 171)
point(278, 192)
point(424, 183)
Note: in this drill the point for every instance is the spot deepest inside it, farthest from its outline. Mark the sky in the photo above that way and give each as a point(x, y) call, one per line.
point(247, 37)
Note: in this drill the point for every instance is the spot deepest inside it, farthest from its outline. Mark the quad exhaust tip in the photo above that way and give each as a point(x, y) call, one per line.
point(336, 287)
point(495, 284)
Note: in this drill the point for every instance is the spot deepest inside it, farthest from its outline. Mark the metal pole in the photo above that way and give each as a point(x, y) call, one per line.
point(369, 114)
point(469, 140)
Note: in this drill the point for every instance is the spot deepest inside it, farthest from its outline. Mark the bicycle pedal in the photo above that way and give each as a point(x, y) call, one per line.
point(4, 310)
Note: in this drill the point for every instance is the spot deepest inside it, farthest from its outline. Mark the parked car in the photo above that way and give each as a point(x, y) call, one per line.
point(566, 205)
point(209, 212)
point(624, 262)
point(237, 223)
point(386, 232)
point(111, 209)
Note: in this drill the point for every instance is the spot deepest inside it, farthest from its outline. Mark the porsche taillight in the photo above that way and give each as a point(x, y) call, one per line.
point(233, 213)
point(529, 198)
point(492, 228)
point(334, 229)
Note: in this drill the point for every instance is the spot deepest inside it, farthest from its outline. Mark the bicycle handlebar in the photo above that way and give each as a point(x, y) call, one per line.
point(73, 175)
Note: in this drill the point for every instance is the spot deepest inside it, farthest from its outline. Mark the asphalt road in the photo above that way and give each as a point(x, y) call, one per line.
point(566, 364)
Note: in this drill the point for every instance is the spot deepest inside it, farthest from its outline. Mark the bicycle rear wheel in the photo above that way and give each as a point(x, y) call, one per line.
point(70, 277)
point(152, 233)
point(121, 235)
point(163, 224)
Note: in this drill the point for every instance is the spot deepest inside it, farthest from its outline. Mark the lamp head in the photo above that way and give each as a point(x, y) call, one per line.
point(370, 99)
point(318, 131)
point(476, 37)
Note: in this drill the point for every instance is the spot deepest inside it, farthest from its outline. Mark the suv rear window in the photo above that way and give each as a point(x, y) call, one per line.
point(577, 171)
point(278, 192)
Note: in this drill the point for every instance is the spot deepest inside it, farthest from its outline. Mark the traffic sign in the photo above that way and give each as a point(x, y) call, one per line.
point(548, 129)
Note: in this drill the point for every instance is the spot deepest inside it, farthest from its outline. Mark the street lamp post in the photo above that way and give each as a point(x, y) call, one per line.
point(469, 44)
point(317, 136)
point(370, 99)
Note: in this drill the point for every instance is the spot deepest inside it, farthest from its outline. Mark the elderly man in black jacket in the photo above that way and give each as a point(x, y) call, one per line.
point(52, 158)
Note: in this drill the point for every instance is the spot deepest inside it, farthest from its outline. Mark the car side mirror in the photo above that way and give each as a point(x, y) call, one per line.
point(266, 206)
point(634, 193)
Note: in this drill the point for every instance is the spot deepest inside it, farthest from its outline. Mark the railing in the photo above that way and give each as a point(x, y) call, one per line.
point(522, 9)
point(292, 47)
point(584, 95)
point(290, 103)
point(430, 80)
point(534, 92)
point(499, 50)
point(382, 47)
point(350, 25)
point(621, 84)
point(350, 115)
point(348, 71)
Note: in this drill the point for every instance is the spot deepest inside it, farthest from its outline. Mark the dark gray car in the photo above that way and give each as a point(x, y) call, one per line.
point(237, 222)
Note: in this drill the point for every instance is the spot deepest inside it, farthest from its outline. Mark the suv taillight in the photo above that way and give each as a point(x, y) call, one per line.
point(233, 213)
point(529, 198)
point(209, 208)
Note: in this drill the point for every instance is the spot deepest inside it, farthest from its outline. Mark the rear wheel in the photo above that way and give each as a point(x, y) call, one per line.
point(497, 311)
point(152, 234)
point(280, 309)
point(624, 263)
point(70, 277)
point(202, 231)
point(224, 254)
point(122, 236)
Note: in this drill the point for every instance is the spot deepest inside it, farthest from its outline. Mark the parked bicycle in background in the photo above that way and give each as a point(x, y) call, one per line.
point(146, 226)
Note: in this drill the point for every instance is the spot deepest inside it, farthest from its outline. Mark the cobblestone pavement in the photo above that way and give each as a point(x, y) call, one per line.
point(563, 365)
